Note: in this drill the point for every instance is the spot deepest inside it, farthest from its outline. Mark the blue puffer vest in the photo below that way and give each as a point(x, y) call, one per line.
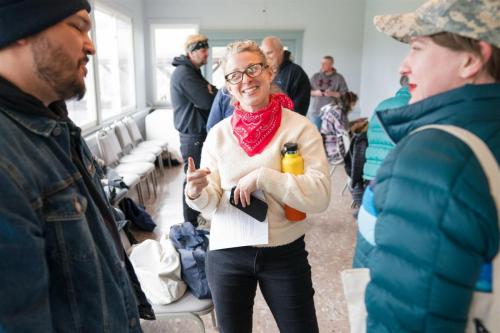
point(436, 221)
point(379, 144)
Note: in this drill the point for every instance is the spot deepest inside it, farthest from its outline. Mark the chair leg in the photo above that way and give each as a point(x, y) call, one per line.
point(162, 167)
point(147, 186)
point(332, 169)
point(199, 322)
point(139, 193)
point(214, 320)
point(345, 187)
point(169, 158)
point(154, 182)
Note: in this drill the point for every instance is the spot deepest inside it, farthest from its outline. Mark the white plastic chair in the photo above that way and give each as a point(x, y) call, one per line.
point(150, 153)
point(139, 142)
point(187, 307)
point(110, 151)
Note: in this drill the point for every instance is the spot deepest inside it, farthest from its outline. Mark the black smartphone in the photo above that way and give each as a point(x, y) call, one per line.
point(257, 208)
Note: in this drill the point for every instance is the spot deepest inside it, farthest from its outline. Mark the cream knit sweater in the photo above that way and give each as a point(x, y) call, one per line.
point(228, 163)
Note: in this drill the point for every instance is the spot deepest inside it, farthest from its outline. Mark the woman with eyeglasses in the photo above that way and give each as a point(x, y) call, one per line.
point(244, 151)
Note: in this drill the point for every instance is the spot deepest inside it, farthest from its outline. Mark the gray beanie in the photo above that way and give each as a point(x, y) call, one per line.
point(22, 18)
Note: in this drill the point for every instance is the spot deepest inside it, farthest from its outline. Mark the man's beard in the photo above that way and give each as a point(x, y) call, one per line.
point(56, 68)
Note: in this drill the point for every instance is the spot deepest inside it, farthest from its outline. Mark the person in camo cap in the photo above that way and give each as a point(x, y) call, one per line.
point(431, 221)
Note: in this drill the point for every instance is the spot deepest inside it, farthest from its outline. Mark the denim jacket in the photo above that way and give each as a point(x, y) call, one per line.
point(59, 268)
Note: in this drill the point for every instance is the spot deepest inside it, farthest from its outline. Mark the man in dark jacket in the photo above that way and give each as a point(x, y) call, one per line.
point(192, 98)
point(62, 265)
point(290, 77)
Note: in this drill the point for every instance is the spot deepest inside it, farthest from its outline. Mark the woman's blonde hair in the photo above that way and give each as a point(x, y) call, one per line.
point(240, 47)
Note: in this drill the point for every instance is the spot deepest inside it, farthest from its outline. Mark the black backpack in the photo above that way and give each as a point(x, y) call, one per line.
point(354, 162)
point(137, 214)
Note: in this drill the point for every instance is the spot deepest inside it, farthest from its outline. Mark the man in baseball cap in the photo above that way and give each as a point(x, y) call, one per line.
point(62, 265)
point(432, 232)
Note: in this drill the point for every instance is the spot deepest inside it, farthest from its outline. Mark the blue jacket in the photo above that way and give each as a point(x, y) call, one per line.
point(379, 144)
point(436, 220)
point(221, 108)
point(59, 266)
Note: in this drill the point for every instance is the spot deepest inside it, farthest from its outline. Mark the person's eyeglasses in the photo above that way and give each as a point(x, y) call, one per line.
point(251, 71)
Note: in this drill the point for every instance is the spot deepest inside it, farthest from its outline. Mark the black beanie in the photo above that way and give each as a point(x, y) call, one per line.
point(22, 18)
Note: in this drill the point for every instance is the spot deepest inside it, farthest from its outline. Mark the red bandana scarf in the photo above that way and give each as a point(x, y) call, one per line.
point(254, 130)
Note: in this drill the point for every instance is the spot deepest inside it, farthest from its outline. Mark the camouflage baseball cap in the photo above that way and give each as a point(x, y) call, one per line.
point(476, 19)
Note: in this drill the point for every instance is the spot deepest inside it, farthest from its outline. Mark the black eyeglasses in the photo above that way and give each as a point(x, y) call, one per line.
point(251, 71)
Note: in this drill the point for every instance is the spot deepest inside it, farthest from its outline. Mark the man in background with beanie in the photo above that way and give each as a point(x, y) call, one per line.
point(289, 76)
point(62, 265)
point(192, 98)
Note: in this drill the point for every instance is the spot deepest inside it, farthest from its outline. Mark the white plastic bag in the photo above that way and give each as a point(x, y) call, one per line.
point(158, 269)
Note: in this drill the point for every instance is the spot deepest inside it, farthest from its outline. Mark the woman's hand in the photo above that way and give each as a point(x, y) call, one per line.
point(196, 179)
point(245, 187)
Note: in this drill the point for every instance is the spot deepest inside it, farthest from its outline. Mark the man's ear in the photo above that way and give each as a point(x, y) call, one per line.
point(473, 63)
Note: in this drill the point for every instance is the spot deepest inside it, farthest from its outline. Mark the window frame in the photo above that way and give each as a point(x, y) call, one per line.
point(120, 15)
point(99, 122)
point(155, 24)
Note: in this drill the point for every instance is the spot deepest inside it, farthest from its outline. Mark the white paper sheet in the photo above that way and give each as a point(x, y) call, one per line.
point(230, 227)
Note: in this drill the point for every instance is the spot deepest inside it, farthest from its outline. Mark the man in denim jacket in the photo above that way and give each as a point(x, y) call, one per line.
point(61, 262)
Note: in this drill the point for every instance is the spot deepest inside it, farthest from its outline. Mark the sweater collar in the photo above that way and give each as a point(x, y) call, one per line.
point(457, 107)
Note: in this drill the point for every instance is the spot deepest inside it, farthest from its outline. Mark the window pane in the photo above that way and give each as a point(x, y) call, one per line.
point(217, 70)
point(168, 43)
point(83, 112)
point(116, 64)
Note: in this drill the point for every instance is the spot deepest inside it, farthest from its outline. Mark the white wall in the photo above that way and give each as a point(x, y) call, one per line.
point(332, 27)
point(382, 55)
point(368, 59)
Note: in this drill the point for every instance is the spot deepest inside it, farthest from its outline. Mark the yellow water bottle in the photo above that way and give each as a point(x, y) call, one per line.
point(292, 163)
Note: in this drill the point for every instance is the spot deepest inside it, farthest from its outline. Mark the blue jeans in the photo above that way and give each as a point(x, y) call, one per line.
point(316, 120)
point(284, 277)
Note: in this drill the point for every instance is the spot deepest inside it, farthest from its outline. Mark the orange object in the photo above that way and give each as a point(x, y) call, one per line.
point(292, 163)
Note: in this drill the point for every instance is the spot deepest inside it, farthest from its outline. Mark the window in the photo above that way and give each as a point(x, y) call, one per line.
point(168, 43)
point(116, 63)
point(83, 112)
point(110, 86)
point(217, 53)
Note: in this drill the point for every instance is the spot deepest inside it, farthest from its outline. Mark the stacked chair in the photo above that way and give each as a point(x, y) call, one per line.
point(139, 142)
point(129, 166)
point(128, 147)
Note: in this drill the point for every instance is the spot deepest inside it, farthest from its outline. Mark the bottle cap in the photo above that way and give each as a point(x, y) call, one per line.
point(290, 147)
